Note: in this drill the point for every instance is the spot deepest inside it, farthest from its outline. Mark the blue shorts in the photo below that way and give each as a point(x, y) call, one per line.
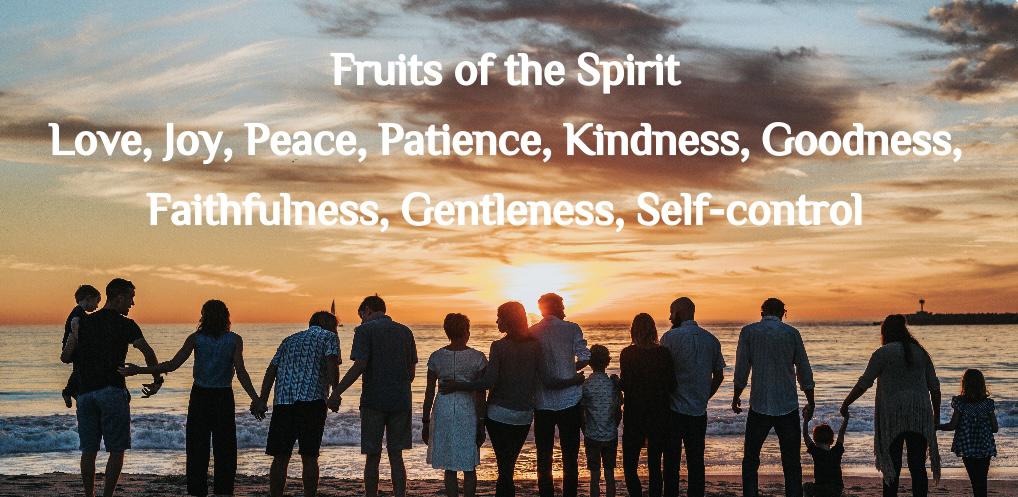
point(105, 414)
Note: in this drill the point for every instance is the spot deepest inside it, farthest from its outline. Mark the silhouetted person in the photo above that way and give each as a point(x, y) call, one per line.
point(699, 371)
point(384, 352)
point(775, 354)
point(647, 379)
point(218, 353)
point(515, 371)
point(602, 413)
point(99, 347)
point(565, 352)
point(86, 299)
point(826, 453)
point(907, 406)
point(974, 422)
point(452, 424)
point(304, 368)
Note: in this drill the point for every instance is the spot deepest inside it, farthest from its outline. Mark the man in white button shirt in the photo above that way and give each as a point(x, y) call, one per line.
point(564, 353)
point(775, 353)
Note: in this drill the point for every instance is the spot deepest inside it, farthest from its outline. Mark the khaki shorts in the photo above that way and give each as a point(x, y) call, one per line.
point(396, 426)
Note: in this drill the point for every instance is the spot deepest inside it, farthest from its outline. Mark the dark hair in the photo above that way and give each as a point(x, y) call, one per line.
point(117, 287)
point(325, 320)
point(457, 326)
point(773, 307)
point(894, 330)
point(86, 292)
point(551, 303)
point(215, 319)
point(374, 303)
point(973, 386)
point(599, 357)
point(823, 434)
point(644, 330)
point(514, 318)
point(681, 304)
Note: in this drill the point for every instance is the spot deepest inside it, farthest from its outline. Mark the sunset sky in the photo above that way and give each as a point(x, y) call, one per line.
point(934, 228)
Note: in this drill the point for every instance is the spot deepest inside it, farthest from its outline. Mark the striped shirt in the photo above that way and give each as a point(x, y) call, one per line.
point(774, 352)
point(300, 363)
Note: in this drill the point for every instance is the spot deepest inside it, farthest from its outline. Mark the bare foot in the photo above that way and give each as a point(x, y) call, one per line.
point(67, 399)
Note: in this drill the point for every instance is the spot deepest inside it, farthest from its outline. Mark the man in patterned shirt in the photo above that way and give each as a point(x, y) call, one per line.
point(305, 367)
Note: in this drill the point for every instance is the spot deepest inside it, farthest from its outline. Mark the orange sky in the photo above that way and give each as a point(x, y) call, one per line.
point(933, 228)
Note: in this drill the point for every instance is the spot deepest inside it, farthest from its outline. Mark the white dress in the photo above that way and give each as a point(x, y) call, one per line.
point(453, 445)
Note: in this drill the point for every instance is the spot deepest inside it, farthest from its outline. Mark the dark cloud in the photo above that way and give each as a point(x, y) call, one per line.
point(600, 22)
point(985, 38)
point(344, 19)
point(741, 91)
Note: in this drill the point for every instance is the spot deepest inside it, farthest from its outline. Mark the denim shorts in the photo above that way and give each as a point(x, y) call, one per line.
point(104, 414)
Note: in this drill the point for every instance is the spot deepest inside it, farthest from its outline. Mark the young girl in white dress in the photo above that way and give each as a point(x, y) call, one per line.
point(453, 423)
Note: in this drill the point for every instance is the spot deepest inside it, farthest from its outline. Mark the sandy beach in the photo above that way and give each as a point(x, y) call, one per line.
point(141, 485)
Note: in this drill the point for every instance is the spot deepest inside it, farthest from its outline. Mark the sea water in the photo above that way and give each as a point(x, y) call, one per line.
point(38, 434)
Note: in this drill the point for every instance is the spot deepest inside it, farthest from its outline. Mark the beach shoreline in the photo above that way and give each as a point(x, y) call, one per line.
point(150, 485)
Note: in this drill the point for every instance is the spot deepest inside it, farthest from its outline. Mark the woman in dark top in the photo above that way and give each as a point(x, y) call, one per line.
point(647, 380)
point(218, 353)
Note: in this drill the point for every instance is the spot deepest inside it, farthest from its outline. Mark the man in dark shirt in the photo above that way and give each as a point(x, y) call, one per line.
point(383, 351)
point(98, 348)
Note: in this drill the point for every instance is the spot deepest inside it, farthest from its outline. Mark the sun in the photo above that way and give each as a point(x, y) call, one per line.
point(527, 282)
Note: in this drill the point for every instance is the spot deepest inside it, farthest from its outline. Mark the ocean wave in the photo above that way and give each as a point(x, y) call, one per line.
point(58, 433)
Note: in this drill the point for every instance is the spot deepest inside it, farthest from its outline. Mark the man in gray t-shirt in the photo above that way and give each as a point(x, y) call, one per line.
point(385, 353)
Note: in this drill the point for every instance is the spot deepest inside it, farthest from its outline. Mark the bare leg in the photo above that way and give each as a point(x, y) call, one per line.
point(451, 487)
point(371, 462)
point(469, 484)
point(113, 466)
point(398, 473)
point(277, 475)
point(88, 473)
point(309, 476)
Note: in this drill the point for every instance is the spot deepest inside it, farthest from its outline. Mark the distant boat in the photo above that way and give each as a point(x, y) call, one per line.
point(922, 317)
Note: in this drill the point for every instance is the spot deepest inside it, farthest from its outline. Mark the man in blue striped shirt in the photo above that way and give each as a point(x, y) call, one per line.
point(304, 368)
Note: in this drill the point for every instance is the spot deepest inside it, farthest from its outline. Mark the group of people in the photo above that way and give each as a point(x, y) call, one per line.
point(531, 377)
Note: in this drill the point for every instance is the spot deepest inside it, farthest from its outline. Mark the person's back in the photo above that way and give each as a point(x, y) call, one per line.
point(515, 377)
point(827, 476)
point(773, 351)
point(103, 339)
point(300, 364)
point(391, 353)
point(213, 359)
point(647, 377)
point(562, 345)
point(696, 355)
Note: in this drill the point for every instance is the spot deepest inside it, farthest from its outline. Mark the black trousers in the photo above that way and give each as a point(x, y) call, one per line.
point(211, 416)
point(634, 435)
point(916, 464)
point(568, 423)
point(977, 468)
point(691, 432)
point(507, 442)
point(758, 426)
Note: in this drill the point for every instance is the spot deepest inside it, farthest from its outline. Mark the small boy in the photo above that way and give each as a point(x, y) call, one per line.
point(826, 459)
point(602, 412)
point(87, 298)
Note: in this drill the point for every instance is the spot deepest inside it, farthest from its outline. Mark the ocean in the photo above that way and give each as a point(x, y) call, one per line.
point(37, 433)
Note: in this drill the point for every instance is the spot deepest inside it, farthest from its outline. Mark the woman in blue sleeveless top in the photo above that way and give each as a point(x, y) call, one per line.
point(218, 353)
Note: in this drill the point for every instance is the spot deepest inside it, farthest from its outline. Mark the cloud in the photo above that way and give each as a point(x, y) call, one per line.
point(223, 276)
point(915, 214)
point(343, 19)
point(600, 22)
point(983, 34)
